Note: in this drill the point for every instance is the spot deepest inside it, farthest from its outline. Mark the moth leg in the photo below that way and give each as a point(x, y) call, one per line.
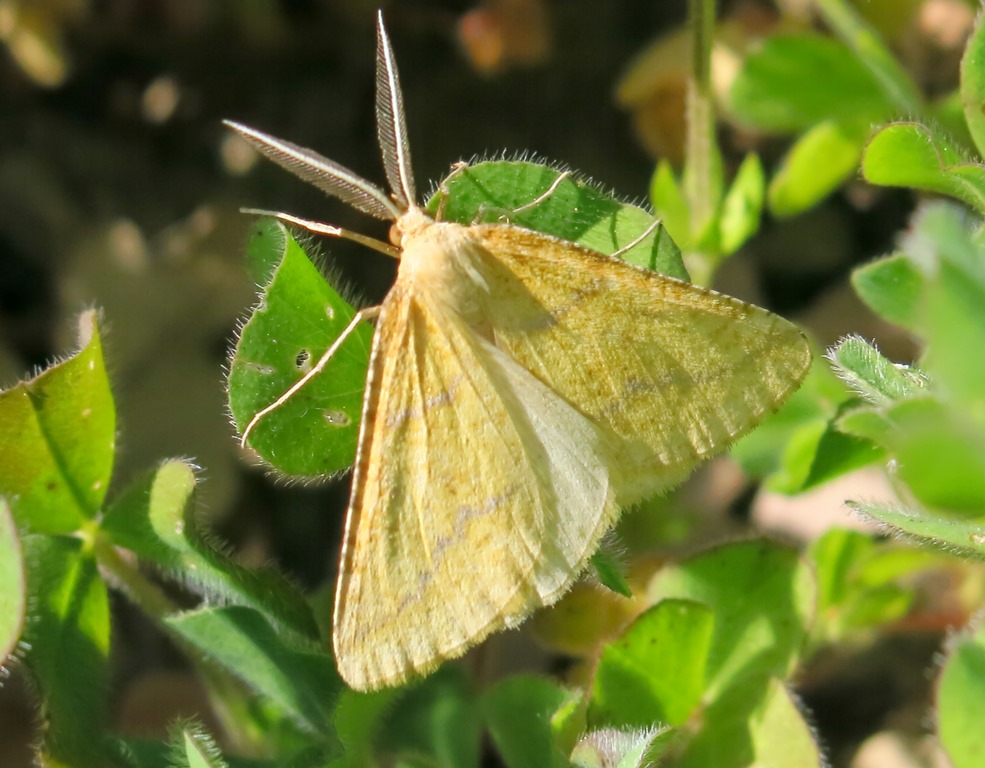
point(363, 314)
point(507, 214)
point(543, 196)
point(328, 229)
point(633, 243)
point(459, 167)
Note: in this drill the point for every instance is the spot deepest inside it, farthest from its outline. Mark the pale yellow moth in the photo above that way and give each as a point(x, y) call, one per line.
point(521, 390)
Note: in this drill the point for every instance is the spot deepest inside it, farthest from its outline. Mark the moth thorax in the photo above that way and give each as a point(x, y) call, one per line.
point(442, 259)
point(410, 223)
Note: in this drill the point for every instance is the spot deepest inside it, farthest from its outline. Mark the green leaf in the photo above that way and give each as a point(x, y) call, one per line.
point(890, 287)
point(68, 636)
point(609, 570)
point(953, 309)
point(139, 753)
point(961, 701)
point(956, 534)
point(357, 719)
point(296, 677)
point(820, 161)
point(57, 441)
point(947, 111)
point(300, 315)
point(191, 746)
point(149, 516)
point(620, 748)
point(915, 155)
point(837, 454)
point(755, 723)
point(742, 207)
point(269, 242)
point(794, 82)
point(13, 587)
point(940, 455)
point(873, 377)
point(783, 446)
point(762, 597)
point(437, 722)
point(655, 672)
point(798, 457)
point(779, 733)
point(835, 555)
point(520, 712)
point(945, 234)
point(573, 210)
point(856, 582)
point(155, 518)
point(872, 53)
point(876, 607)
point(866, 423)
point(669, 203)
point(973, 84)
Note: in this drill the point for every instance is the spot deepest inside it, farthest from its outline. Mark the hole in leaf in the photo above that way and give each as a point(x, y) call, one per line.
point(336, 418)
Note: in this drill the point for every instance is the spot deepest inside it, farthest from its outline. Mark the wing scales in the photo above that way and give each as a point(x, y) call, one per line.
point(479, 496)
point(675, 372)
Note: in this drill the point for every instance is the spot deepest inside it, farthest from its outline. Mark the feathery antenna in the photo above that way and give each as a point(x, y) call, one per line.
point(391, 125)
point(330, 177)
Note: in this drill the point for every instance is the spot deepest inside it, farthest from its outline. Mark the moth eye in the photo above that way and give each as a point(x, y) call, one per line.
point(395, 235)
point(302, 360)
point(336, 418)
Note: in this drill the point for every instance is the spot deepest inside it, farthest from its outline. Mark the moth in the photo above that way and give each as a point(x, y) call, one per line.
point(521, 390)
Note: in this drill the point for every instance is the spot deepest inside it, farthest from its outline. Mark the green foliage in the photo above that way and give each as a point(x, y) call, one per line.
point(891, 287)
point(798, 81)
point(193, 747)
point(929, 421)
point(298, 317)
point(819, 162)
point(861, 583)
point(829, 91)
point(59, 537)
point(922, 157)
point(13, 589)
point(959, 699)
point(621, 749)
point(737, 210)
point(155, 518)
point(58, 441)
point(68, 636)
point(655, 673)
point(530, 721)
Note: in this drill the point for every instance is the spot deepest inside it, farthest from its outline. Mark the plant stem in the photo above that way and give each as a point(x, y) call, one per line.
point(700, 142)
point(226, 693)
point(128, 578)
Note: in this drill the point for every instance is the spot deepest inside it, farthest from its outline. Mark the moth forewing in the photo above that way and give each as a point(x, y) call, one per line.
point(674, 373)
point(478, 496)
